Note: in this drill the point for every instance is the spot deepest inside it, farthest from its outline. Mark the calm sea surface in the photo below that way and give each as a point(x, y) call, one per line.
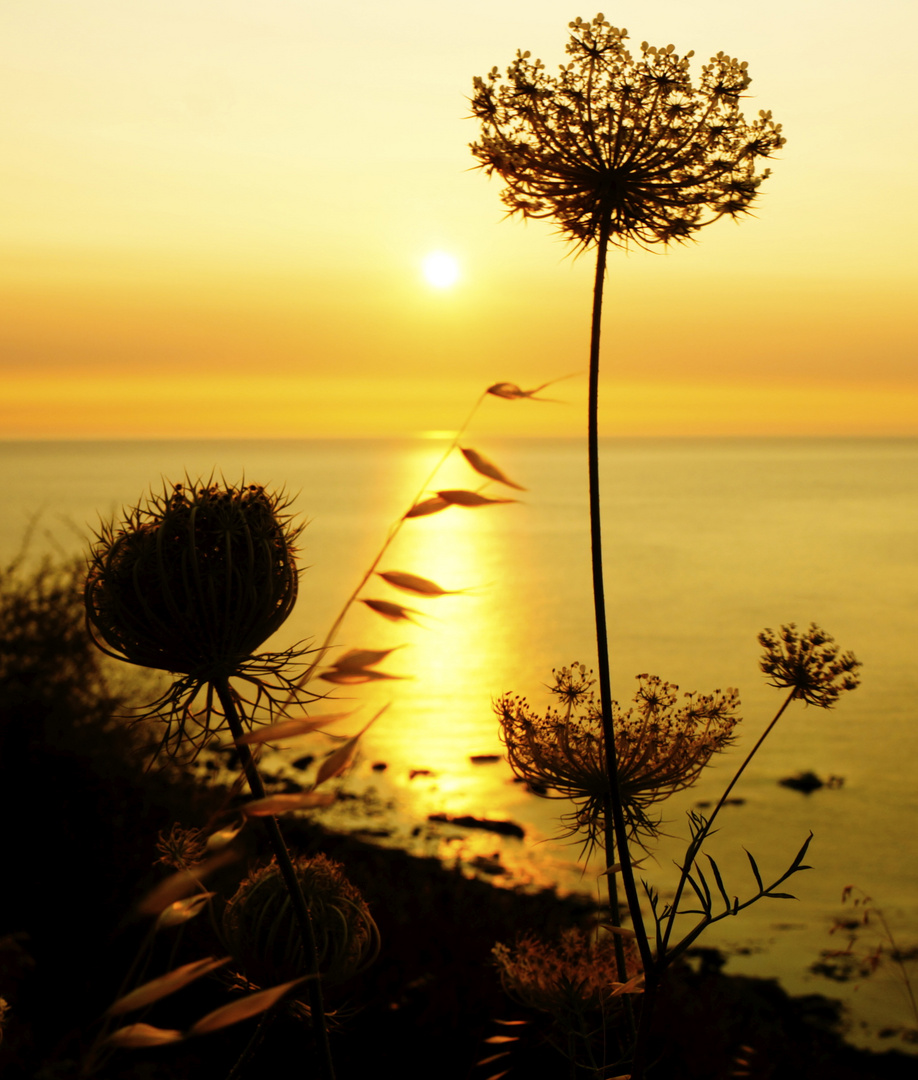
point(707, 542)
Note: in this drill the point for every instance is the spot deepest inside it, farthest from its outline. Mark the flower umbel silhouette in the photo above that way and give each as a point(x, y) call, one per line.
point(662, 744)
point(630, 147)
point(810, 662)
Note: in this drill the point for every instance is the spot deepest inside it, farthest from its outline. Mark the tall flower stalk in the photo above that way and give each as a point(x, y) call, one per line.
point(620, 150)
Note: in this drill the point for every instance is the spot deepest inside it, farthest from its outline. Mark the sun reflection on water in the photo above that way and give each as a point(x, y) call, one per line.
point(454, 652)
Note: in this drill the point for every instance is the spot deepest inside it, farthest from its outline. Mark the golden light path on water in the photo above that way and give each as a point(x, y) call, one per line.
point(459, 652)
point(453, 651)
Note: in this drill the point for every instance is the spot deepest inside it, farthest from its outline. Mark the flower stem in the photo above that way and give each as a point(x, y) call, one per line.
point(620, 963)
point(695, 846)
point(599, 605)
point(285, 864)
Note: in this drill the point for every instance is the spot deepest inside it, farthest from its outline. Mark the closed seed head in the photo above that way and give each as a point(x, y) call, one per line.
point(261, 931)
point(193, 580)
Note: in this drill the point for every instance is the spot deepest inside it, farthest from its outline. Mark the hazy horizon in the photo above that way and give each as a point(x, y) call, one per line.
point(219, 217)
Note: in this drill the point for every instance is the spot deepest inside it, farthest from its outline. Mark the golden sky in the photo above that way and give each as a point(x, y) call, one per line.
point(215, 215)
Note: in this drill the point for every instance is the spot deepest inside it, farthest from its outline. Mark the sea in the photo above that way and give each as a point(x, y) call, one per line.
point(707, 542)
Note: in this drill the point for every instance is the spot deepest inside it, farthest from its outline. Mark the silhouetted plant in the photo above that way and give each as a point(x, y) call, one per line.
point(576, 981)
point(192, 582)
point(619, 149)
point(624, 150)
point(864, 957)
point(662, 746)
point(260, 932)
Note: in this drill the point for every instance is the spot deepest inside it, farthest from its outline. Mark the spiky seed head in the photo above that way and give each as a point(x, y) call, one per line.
point(261, 931)
point(194, 579)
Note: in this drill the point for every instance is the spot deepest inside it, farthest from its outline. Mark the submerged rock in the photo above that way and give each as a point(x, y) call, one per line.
point(504, 828)
point(804, 781)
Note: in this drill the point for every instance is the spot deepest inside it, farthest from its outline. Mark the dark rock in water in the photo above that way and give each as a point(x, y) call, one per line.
point(492, 866)
point(379, 766)
point(536, 789)
point(503, 828)
point(281, 785)
point(483, 759)
point(805, 782)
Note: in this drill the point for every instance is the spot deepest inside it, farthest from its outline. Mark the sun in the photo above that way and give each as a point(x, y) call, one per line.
point(440, 270)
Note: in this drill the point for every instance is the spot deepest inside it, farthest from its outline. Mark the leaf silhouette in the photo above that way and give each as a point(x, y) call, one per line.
point(219, 839)
point(428, 506)
point(411, 583)
point(336, 763)
point(281, 804)
point(487, 468)
point(459, 497)
point(166, 984)
point(287, 729)
point(178, 886)
point(355, 676)
point(183, 910)
point(388, 610)
point(361, 658)
point(137, 1035)
point(242, 1009)
point(511, 392)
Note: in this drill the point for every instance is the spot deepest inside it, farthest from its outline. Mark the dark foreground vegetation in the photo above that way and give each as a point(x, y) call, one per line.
point(81, 819)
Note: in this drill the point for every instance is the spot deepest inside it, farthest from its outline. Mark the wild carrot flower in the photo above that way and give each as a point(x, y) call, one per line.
point(571, 977)
point(811, 663)
point(181, 847)
point(622, 146)
point(192, 582)
point(662, 743)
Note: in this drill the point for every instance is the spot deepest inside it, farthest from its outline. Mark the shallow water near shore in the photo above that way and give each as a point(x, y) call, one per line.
point(707, 542)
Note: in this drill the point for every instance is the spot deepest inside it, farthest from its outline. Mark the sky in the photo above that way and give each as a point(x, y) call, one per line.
point(215, 215)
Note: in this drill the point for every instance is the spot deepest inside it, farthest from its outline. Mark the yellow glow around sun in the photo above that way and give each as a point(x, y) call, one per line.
point(441, 270)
